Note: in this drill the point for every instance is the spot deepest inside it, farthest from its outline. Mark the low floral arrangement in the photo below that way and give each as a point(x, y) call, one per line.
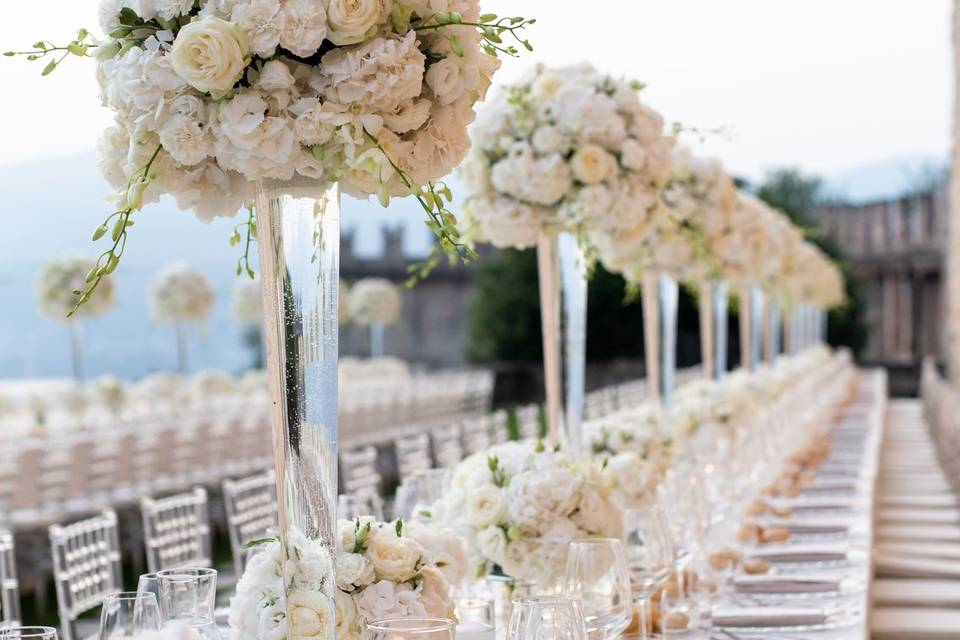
point(211, 96)
point(61, 277)
point(246, 302)
point(566, 149)
point(374, 301)
point(519, 506)
point(383, 570)
point(180, 293)
point(111, 392)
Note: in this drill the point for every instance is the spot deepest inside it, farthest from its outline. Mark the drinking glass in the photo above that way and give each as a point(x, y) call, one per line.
point(127, 614)
point(546, 618)
point(147, 583)
point(649, 557)
point(28, 633)
point(411, 629)
point(678, 610)
point(598, 577)
point(187, 596)
point(477, 619)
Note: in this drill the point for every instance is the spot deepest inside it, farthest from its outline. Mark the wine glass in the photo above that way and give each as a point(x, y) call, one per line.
point(187, 596)
point(598, 577)
point(127, 614)
point(411, 629)
point(28, 633)
point(649, 557)
point(477, 619)
point(417, 495)
point(546, 618)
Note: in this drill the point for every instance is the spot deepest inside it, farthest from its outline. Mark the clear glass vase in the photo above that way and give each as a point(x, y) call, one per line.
point(562, 270)
point(713, 328)
point(751, 326)
point(376, 339)
point(771, 332)
point(660, 297)
point(299, 238)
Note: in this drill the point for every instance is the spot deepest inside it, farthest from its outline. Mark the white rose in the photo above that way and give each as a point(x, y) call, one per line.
point(435, 594)
point(548, 139)
point(633, 155)
point(261, 21)
point(408, 116)
point(311, 614)
point(353, 21)
point(592, 164)
point(275, 77)
point(492, 543)
point(394, 558)
point(304, 27)
point(445, 79)
point(346, 610)
point(186, 140)
point(354, 570)
point(210, 54)
point(485, 506)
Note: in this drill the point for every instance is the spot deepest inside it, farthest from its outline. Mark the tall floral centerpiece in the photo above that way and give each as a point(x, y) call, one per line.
point(246, 306)
point(374, 303)
point(181, 295)
point(559, 157)
point(57, 284)
point(280, 104)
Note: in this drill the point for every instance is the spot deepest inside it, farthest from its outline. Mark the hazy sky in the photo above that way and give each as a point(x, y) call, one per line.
point(824, 84)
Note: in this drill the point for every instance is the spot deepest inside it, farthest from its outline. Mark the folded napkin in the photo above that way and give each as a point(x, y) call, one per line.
point(785, 584)
point(768, 617)
point(801, 527)
point(800, 553)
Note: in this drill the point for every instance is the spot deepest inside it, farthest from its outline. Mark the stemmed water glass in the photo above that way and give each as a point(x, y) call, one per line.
point(476, 619)
point(188, 596)
point(649, 555)
point(128, 614)
point(597, 576)
point(411, 629)
point(546, 618)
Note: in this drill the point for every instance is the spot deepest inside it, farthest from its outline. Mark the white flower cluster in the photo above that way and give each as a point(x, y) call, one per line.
point(383, 570)
point(374, 300)
point(564, 149)
point(519, 507)
point(246, 303)
point(60, 277)
point(235, 91)
point(180, 293)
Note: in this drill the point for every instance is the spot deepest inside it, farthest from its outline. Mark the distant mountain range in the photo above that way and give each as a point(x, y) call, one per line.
point(51, 207)
point(883, 180)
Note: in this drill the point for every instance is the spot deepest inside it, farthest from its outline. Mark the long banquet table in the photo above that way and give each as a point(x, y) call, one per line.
point(841, 499)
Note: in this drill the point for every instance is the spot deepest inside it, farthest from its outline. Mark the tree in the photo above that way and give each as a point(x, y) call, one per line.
point(794, 193)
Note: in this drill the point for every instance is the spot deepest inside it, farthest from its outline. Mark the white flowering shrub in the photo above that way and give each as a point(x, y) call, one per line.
point(564, 149)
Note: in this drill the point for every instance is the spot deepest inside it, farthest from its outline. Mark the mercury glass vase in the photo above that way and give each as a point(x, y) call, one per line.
point(713, 328)
point(660, 297)
point(299, 238)
point(562, 271)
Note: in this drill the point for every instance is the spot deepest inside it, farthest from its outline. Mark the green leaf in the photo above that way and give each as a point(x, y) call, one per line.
point(9, 54)
point(488, 17)
point(258, 542)
point(47, 70)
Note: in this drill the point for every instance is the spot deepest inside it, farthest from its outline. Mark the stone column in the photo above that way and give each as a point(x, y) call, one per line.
point(952, 252)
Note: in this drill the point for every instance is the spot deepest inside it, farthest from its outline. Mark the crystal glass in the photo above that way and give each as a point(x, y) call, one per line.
point(187, 596)
point(597, 576)
point(477, 619)
point(147, 583)
point(649, 557)
point(679, 614)
point(128, 614)
point(546, 618)
point(28, 633)
point(411, 629)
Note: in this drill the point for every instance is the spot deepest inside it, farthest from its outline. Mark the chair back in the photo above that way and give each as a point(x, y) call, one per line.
point(360, 478)
point(9, 587)
point(251, 506)
point(447, 445)
point(176, 531)
point(86, 566)
point(413, 454)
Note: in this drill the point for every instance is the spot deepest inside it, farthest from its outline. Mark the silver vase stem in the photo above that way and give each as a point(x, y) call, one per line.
point(299, 237)
point(376, 340)
point(548, 270)
point(756, 325)
point(651, 335)
point(771, 332)
point(573, 275)
point(668, 291)
point(714, 316)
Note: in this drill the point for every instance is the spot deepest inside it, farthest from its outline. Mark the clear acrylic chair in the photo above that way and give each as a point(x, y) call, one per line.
point(86, 567)
point(528, 421)
point(476, 435)
point(413, 454)
point(9, 587)
point(447, 445)
point(360, 478)
point(176, 531)
point(251, 506)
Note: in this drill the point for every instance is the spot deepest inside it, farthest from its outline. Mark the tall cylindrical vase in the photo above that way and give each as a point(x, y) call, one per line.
point(76, 351)
point(660, 298)
point(181, 337)
point(713, 328)
point(751, 326)
point(771, 332)
point(299, 237)
point(562, 271)
point(376, 340)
